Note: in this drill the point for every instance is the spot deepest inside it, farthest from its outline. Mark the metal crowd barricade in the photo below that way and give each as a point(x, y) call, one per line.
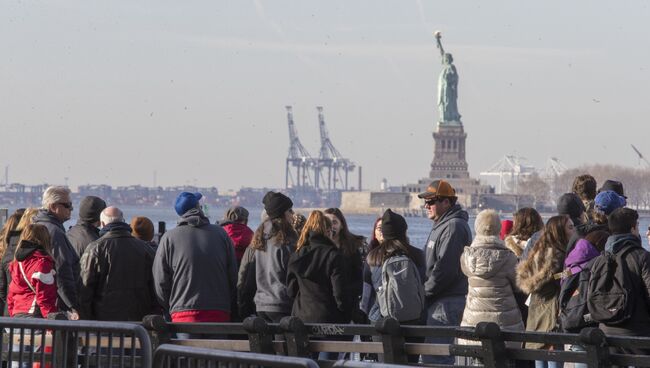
point(53, 343)
point(174, 356)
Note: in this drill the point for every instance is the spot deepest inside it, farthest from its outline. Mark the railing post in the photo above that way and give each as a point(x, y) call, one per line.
point(392, 340)
point(295, 333)
point(595, 344)
point(158, 330)
point(494, 348)
point(260, 337)
point(58, 341)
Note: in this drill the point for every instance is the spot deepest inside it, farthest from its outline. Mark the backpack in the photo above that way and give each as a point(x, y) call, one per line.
point(401, 294)
point(574, 314)
point(610, 299)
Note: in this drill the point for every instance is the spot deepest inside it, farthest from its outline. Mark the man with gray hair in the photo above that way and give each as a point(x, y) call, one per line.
point(57, 209)
point(116, 278)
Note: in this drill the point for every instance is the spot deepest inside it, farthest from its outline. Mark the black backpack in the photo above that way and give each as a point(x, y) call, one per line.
point(611, 298)
point(574, 314)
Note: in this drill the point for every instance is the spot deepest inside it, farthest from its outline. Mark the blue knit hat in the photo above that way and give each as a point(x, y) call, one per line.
point(608, 201)
point(186, 201)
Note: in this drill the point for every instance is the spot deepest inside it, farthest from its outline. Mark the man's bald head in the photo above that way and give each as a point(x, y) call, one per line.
point(111, 214)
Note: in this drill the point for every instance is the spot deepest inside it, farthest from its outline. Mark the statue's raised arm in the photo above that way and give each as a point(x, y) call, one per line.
point(447, 87)
point(437, 35)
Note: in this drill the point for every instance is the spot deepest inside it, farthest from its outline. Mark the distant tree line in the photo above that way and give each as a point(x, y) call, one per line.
point(635, 181)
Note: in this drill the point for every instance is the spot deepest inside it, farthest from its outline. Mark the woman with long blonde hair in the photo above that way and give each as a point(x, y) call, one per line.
point(315, 275)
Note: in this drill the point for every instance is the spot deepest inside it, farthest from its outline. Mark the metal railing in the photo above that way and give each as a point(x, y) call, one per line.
point(392, 343)
point(174, 356)
point(28, 342)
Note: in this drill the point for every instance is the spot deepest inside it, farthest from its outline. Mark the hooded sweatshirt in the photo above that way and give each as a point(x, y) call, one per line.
point(241, 236)
point(316, 280)
point(490, 268)
point(38, 298)
point(195, 267)
point(271, 275)
point(580, 257)
point(449, 236)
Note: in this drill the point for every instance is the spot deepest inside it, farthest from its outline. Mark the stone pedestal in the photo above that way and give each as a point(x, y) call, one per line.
point(449, 152)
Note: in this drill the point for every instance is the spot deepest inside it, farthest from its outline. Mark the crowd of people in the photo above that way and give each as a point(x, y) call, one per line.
point(523, 274)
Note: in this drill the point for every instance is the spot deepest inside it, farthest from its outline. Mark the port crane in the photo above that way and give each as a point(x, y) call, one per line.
point(333, 167)
point(641, 158)
point(299, 164)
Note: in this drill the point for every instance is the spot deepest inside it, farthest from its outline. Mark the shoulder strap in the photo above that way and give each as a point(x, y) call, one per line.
point(22, 271)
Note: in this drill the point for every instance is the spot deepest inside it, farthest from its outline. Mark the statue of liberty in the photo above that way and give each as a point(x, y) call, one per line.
point(447, 87)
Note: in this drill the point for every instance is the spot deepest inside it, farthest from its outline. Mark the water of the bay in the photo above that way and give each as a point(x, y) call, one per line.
point(418, 227)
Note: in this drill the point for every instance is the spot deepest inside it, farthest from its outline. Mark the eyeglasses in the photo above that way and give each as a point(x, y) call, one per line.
point(67, 206)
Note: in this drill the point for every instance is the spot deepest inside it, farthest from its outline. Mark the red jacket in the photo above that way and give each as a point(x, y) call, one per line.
point(39, 269)
point(241, 236)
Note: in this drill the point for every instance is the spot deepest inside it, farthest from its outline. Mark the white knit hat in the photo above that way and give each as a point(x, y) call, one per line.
point(487, 223)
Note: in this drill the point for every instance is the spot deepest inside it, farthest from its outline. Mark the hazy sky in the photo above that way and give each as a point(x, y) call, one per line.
point(108, 92)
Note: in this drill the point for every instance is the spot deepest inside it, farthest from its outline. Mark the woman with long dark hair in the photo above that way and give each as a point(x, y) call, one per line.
point(539, 276)
point(526, 222)
point(353, 250)
point(394, 246)
point(273, 242)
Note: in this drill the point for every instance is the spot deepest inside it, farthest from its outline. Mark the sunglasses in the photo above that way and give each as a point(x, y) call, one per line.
point(432, 201)
point(67, 206)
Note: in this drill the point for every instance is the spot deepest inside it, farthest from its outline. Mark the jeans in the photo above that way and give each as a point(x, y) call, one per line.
point(577, 348)
point(446, 311)
point(546, 364)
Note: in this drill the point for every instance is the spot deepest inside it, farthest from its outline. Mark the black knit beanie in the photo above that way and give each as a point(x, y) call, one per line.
point(570, 204)
point(90, 208)
point(276, 204)
point(393, 226)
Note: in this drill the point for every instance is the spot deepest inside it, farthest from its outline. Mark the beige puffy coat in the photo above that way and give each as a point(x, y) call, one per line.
point(491, 270)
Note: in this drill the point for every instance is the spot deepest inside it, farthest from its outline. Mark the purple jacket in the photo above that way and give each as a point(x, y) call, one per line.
point(580, 255)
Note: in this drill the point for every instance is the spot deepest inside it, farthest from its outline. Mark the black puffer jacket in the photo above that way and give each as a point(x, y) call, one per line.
point(316, 282)
point(82, 234)
point(116, 277)
point(5, 275)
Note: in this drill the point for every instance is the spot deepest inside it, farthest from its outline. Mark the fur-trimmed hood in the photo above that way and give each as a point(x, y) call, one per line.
point(486, 256)
point(515, 244)
point(538, 269)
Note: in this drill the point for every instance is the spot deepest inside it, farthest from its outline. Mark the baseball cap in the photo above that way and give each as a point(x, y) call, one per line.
point(438, 188)
point(186, 201)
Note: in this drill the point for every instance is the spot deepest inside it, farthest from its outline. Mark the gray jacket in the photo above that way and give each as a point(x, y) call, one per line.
point(271, 276)
point(195, 266)
point(66, 261)
point(82, 234)
point(447, 240)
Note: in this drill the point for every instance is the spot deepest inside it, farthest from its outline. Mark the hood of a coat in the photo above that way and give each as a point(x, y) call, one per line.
point(115, 226)
point(486, 256)
point(455, 212)
point(239, 233)
point(515, 244)
point(26, 248)
point(303, 260)
point(194, 218)
point(618, 241)
point(46, 216)
point(582, 253)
